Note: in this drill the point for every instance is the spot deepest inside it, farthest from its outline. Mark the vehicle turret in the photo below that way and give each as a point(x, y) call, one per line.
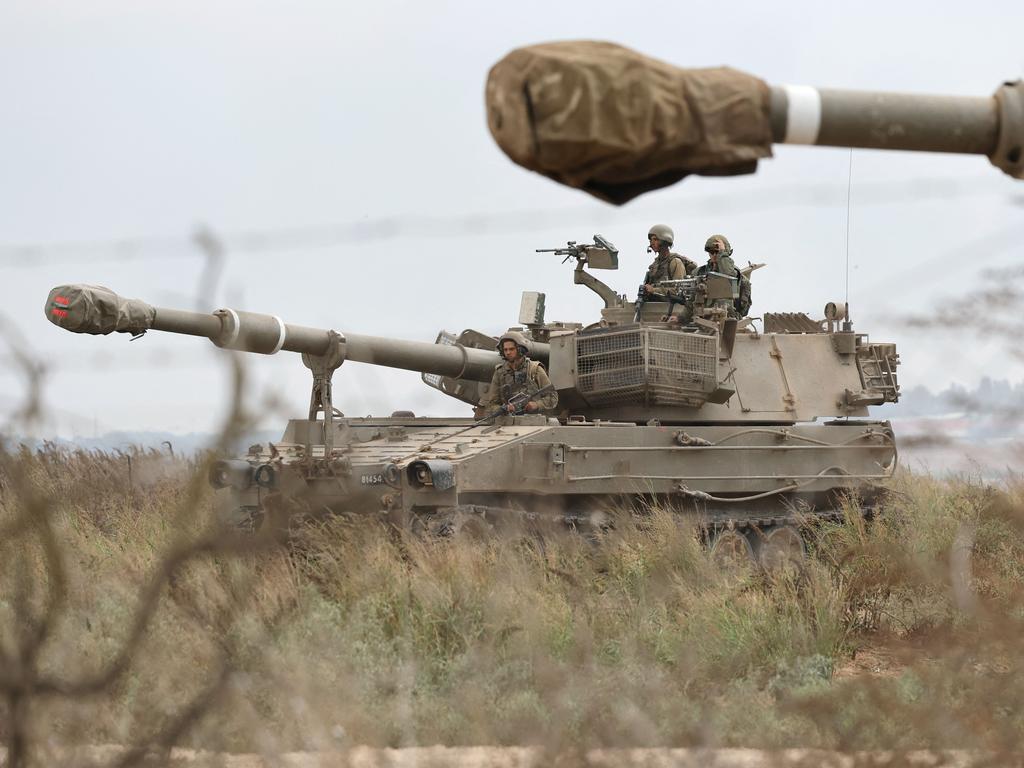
point(643, 361)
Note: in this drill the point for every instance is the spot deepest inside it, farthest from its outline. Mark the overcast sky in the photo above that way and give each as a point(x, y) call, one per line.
point(340, 150)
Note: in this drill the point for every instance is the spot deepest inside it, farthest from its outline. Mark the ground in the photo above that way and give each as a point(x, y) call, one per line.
point(899, 634)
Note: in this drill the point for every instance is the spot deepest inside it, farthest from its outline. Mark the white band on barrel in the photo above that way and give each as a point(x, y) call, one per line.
point(280, 336)
point(803, 114)
point(236, 326)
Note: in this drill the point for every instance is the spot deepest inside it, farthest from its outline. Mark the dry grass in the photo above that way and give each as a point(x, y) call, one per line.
point(353, 634)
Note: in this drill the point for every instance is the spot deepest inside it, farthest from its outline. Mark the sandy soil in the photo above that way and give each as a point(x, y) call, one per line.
point(883, 660)
point(536, 757)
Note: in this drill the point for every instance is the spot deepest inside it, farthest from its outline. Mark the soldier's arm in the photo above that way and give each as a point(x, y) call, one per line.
point(691, 266)
point(490, 400)
point(647, 275)
point(677, 269)
point(727, 267)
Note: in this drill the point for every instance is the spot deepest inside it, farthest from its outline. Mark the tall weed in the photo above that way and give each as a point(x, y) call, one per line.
point(356, 633)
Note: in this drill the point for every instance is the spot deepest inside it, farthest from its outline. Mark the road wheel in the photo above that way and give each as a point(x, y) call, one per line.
point(780, 549)
point(471, 526)
point(731, 549)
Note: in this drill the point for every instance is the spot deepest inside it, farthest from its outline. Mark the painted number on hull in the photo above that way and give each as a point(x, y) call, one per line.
point(371, 479)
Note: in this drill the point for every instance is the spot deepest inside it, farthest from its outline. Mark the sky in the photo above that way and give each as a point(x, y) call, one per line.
point(340, 153)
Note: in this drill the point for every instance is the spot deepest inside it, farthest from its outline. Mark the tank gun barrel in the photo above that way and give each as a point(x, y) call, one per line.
point(96, 310)
point(615, 123)
point(802, 114)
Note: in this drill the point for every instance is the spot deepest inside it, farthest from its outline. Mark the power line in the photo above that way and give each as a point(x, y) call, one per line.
point(257, 242)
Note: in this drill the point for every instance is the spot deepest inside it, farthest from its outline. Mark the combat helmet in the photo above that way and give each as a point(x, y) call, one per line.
point(518, 338)
point(663, 232)
point(725, 241)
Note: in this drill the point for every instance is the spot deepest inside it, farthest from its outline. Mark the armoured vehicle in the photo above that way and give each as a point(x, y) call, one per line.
point(753, 426)
point(753, 430)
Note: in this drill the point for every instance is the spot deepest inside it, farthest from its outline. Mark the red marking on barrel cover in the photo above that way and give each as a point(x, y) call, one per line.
point(60, 306)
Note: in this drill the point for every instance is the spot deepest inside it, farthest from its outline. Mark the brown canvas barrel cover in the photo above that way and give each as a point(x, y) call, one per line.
point(615, 123)
point(97, 310)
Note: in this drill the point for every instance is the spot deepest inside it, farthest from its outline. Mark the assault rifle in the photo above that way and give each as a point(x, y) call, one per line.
point(520, 401)
point(641, 299)
point(519, 405)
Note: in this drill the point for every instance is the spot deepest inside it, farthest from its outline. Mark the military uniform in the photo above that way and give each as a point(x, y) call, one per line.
point(726, 266)
point(670, 267)
point(723, 264)
point(510, 379)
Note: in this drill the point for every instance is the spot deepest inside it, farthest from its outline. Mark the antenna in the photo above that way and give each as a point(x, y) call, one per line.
point(847, 324)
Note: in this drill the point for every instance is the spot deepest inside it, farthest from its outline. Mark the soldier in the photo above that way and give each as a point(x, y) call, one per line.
point(720, 261)
point(719, 257)
point(667, 265)
point(517, 374)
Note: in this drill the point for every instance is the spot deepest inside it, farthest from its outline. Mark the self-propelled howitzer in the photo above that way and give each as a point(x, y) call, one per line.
point(708, 415)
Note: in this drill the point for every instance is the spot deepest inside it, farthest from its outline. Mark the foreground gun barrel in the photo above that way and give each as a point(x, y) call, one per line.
point(969, 125)
point(616, 123)
point(97, 310)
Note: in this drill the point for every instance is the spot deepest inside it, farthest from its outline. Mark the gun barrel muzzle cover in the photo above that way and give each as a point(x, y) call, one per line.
point(608, 120)
point(97, 310)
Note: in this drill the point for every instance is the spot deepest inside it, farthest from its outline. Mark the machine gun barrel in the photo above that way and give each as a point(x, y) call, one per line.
point(589, 252)
point(96, 310)
point(572, 249)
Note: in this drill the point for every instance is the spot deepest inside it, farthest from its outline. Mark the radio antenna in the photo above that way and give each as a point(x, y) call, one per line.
point(849, 186)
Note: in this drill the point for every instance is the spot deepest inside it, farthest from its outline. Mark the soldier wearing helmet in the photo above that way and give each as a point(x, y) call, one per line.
point(720, 261)
point(516, 374)
point(719, 257)
point(666, 265)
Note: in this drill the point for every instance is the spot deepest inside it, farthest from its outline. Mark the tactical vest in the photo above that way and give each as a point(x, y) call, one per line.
point(516, 380)
point(659, 270)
